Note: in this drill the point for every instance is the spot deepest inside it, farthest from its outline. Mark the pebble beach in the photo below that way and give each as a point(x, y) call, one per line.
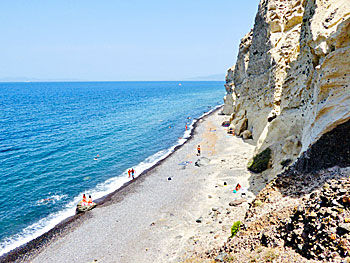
point(172, 211)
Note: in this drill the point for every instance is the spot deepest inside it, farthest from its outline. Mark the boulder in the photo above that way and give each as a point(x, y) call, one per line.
point(202, 162)
point(83, 208)
point(241, 126)
point(247, 134)
point(237, 202)
point(199, 220)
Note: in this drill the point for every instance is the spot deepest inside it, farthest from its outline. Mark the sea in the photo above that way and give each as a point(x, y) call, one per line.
point(59, 140)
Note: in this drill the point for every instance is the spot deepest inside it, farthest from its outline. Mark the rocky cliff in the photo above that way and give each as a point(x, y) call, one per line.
point(290, 84)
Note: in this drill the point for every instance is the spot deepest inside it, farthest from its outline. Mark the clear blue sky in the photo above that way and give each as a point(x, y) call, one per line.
point(121, 40)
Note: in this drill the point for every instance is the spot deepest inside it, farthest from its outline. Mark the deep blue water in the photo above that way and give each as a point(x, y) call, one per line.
point(51, 132)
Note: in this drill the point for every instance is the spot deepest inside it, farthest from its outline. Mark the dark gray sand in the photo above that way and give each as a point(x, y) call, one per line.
point(154, 219)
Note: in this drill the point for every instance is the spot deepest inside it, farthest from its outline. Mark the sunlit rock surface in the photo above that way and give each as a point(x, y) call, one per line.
point(290, 84)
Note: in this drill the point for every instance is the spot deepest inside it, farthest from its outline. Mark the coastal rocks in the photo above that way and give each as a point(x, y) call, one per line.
point(199, 220)
point(221, 257)
point(81, 208)
point(237, 202)
point(202, 161)
point(241, 126)
point(230, 98)
point(317, 228)
point(247, 134)
point(301, 217)
point(291, 77)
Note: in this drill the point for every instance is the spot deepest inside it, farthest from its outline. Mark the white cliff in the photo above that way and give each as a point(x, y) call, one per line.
point(290, 84)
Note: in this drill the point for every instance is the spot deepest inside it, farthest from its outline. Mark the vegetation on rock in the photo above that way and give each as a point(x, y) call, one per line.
point(235, 228)
point(260, 162)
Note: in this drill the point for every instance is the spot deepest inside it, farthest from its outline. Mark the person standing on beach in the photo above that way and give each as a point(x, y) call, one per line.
point(129, 173)
point(132, 173)
point(199, 150)
point(186, 127)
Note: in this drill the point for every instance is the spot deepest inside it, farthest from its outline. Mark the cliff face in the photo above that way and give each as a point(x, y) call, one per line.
point(290, 84)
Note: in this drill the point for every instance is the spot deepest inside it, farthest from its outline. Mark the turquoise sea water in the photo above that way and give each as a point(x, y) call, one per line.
point(50, 134)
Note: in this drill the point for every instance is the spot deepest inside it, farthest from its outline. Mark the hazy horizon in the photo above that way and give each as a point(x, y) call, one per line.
point(121, 41)
point(212, 77)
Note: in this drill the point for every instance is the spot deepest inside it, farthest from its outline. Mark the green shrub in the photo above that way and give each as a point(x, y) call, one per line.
point(260, 161)
point(235, 228)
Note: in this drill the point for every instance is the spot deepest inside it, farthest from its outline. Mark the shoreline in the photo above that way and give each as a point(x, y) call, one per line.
point(33, 247)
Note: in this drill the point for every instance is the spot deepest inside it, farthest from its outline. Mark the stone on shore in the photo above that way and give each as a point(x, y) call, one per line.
point(202, 162)
point(247, 134)
point(83, 208)
point(237, 202)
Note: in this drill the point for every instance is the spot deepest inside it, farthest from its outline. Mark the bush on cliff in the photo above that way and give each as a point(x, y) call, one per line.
point(235, 228)
point(260, 162)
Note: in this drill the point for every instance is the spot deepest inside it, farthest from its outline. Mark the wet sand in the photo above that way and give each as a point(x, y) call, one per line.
point(155, 219)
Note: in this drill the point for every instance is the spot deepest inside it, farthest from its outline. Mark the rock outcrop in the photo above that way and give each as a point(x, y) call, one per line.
point(290, 84)
point(230, 97)
point(83, 207)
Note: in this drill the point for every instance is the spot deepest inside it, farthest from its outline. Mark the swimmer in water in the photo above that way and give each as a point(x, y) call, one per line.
point(45, 200)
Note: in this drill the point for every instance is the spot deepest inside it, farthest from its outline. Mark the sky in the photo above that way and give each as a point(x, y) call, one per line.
point(114, 40)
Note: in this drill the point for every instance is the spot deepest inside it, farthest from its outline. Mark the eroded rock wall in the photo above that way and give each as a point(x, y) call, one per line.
point(291, 77)
point(230, 97)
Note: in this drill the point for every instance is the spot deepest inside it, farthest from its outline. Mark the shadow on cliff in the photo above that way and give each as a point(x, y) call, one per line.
point(332, 150)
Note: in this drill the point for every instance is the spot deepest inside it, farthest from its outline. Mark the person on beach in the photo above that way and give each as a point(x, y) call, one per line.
point(238, 187)
point(129, 173)
point(199, 150)
point(89, 200)
point(186, 127)
point(84, 200)
point(132, 173)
